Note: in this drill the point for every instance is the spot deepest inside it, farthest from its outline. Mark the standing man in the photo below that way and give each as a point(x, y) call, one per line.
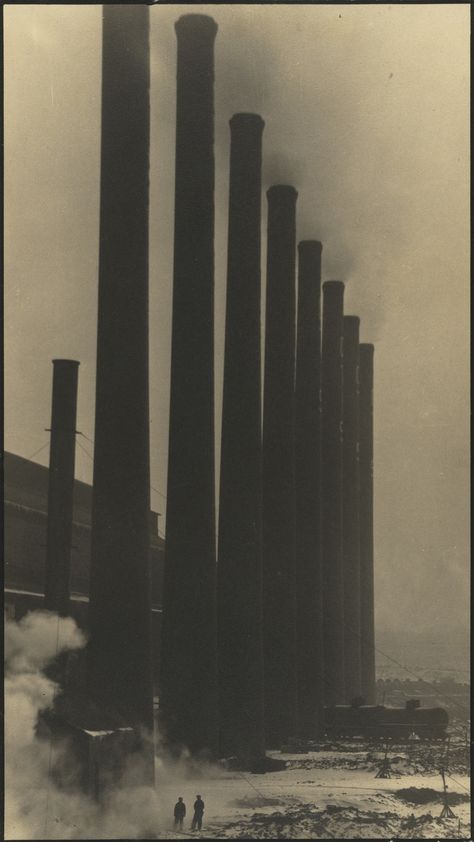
point(198, 811)
point(179, 812)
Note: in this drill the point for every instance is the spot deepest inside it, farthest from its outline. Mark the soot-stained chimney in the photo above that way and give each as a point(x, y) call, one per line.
point(279, 577)
point(350, 509)
point(240, 653)
point(61, 486)
point(366, 454)
point(331, 463)
point(188, 663)
point(119, 651)
point(308, 492)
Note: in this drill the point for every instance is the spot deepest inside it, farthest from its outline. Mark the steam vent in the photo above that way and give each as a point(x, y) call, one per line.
point(188, 693)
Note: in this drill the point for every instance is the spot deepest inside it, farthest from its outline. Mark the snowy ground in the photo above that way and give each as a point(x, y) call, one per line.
point(327, 794)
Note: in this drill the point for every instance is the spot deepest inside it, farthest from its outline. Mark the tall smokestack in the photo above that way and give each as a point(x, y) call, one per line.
point(308, 492)
point(119, 652)
point(188, 680)
point(331, 464)
point(240, 652)
point(366, 455)
point(61, 486)
point(350, 509)
point(279, 576)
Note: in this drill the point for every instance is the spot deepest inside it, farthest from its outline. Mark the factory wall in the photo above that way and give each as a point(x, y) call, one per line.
point(25, 515)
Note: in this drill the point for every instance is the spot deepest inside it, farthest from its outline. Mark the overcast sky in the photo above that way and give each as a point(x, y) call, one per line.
point(367, 113)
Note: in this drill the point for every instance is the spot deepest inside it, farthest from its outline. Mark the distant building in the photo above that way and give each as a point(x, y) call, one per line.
point(25, 514)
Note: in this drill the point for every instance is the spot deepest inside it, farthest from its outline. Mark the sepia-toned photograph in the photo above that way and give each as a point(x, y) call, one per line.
point(236, 421)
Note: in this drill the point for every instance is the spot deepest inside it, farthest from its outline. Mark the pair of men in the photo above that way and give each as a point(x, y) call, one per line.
point(180, 812)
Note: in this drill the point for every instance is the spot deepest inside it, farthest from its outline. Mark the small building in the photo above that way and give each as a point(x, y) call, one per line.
point(93, 745)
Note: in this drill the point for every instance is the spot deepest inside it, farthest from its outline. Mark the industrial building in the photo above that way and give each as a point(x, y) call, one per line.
point(25, 524)
point(256, 630)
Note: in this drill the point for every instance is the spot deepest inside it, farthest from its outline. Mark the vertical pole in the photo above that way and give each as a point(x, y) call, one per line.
point(279, 576)
point(308, 492)
point(331, 461)
point(119, 651)
point(61, 486)
point(240, 511)
point(188, 663)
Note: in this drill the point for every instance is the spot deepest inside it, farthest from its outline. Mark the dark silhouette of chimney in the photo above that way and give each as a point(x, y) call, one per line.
point(331, 464)
point(188, 663)
point(119, 651)
point(308, 492)
point(366, 454)
point(239, 571)
point(350, 509)
point(279, 577)
point(61, 486)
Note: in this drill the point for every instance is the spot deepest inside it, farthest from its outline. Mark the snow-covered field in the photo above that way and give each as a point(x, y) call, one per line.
point(327, 794)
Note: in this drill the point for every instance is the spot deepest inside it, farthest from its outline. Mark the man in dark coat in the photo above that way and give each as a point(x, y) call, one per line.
point(179, 812)
point(198, 811)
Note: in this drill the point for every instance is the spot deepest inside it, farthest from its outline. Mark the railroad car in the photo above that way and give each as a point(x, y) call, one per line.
point(378, 721)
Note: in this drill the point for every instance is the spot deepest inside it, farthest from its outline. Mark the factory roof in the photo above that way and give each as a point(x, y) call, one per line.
point(26, 486)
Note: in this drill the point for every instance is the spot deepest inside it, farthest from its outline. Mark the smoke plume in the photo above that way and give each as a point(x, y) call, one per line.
point(35, 808)
point(30, 646)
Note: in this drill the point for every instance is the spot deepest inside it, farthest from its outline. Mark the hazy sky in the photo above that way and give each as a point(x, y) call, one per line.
point(367, 113)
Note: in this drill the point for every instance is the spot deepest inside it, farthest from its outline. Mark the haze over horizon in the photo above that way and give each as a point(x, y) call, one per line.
point(366, 111)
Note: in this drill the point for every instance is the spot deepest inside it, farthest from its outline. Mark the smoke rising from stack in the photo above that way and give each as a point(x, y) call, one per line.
point(250, 70)
point(320, 232)
point(411, 184)
point(302, 147)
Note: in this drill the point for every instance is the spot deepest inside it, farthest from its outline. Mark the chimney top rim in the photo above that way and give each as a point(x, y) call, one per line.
point(282, 188)
point(334, 285)
point(314, 244)
point(247, 117)
point(193, 22)
point(368, 347)
point(62, 360)
point(352, 320)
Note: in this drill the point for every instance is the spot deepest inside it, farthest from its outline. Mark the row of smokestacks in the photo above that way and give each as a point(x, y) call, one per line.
point(261, 632)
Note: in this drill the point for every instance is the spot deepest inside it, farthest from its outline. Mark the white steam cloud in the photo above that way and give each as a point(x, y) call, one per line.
point(33, 642)
point(29, 646)
point(35, 808)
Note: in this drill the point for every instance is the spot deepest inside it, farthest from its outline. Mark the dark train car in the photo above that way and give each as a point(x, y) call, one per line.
point(378, 721)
